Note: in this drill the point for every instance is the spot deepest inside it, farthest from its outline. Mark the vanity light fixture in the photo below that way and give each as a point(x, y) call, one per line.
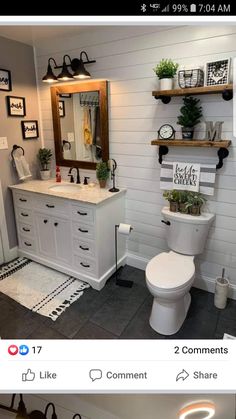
point(21, 412)
point(206, 408)
point(76, 65)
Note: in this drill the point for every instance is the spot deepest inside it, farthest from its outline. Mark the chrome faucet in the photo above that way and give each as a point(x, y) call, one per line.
point(72, 177)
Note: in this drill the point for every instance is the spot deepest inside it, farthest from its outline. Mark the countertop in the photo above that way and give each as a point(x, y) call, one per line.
point(85, 193)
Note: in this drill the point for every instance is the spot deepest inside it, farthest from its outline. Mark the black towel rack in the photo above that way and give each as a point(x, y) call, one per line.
point(15, 147)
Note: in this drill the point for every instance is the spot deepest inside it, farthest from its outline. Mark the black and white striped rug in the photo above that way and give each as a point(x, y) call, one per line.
point(40, 289)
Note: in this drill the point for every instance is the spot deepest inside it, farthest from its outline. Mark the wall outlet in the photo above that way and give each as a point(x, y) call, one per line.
point(71, 137)
point(3, 143)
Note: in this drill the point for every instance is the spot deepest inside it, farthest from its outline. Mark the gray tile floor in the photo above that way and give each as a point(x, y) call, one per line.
point(116, 313)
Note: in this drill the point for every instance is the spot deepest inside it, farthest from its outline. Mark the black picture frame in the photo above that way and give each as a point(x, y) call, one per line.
point(16, 106)
point(5, 80)
point(61, 107)
point(217, 72)
point(30, 130)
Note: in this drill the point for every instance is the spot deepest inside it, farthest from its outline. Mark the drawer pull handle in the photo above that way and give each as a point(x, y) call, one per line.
point(28, 244)
point(23, 200)
point(82, 213)
point(25, 229)
point(82, 230)
point(84, 248)
point(45, 221)
point(24, 214)
point(84, 265)
point(55, 224)
point(50, 206)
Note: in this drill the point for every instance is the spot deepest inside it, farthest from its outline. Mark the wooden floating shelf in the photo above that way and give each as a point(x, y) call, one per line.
point(192, 143)
point(205, 90)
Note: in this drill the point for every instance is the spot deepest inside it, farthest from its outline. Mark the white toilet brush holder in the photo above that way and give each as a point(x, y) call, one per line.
point(221, 291)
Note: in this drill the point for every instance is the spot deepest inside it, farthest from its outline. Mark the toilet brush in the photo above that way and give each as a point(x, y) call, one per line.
point(119, 281)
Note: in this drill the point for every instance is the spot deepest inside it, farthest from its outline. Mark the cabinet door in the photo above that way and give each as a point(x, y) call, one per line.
point(45, 231)
point(62, 235)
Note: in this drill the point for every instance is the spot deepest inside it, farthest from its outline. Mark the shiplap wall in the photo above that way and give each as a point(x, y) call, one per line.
point(126, 56)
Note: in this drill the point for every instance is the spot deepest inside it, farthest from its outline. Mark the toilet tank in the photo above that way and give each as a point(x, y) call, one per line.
point(185, 233)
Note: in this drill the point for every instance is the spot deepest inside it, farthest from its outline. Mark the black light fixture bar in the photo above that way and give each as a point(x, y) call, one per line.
point(87, 61)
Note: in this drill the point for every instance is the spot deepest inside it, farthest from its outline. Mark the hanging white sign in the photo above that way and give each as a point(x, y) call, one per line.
point(186, 176)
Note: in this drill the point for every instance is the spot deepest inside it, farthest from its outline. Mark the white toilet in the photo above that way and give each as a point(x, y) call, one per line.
point(170, 275)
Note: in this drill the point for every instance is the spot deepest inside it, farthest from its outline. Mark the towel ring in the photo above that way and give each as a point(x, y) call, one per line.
point(15, 147)
point(64, 142)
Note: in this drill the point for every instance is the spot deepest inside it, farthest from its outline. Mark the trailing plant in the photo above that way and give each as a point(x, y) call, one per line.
point(166, 69)
point(102, 170)
point(44, 155)
point(191, 112)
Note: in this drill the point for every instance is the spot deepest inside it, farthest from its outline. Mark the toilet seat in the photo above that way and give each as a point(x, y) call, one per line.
point(170, 271)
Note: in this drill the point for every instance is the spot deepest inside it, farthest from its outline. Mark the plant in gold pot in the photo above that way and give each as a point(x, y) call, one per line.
point(102, 172)
point(194, 203)
point(173, 198)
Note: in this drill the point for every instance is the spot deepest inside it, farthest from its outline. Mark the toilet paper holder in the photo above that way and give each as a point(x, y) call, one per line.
point(119, 281)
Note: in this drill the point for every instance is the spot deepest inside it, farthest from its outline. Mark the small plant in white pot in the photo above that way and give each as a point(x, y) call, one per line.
point(44, 156)
point(165, 71)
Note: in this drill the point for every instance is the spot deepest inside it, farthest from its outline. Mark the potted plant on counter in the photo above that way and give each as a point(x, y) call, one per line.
point(102, 172)
point(44, 155)
point(190, 116)
point(165, 71)
point(194, 203)
point(173, 198)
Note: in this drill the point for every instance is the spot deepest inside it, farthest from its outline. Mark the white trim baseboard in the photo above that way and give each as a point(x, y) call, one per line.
point(203, 282)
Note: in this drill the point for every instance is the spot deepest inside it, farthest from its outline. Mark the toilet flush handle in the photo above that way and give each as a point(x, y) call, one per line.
point(166, 222)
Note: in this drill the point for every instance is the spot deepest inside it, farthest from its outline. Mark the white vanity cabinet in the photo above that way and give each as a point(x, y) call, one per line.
point(71, 236)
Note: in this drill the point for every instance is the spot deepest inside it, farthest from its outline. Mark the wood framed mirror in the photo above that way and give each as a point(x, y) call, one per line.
point(80, 123)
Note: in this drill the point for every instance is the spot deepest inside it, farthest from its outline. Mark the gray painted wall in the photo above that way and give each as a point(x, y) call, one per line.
point(19, 59)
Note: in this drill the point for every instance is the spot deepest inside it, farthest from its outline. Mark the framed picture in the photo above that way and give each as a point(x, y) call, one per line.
point(61, 104)
point(5, 80)
point(16, 106)
point(65, 95)
point(29, 129)
point(217, 72)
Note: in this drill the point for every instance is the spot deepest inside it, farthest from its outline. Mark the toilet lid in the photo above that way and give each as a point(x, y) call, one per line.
point(170, 270)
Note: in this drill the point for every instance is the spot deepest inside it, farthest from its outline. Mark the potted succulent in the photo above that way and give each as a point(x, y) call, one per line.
point(173, 198)
point(190, 116)
point(165, 71)
point(44, 155)
point(183, 199)
point(102, 172)
point(194, 203)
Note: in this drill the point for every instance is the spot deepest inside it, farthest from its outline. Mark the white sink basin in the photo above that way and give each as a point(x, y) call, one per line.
point(70, 187)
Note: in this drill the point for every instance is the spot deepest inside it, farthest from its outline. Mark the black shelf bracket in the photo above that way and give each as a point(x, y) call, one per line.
point(227, 94)
point(163, 150)
point(164, 99)
point(222, 154)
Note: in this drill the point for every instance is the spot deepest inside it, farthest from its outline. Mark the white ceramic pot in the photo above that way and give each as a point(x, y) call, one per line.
point(166, 84)
point(45, 174)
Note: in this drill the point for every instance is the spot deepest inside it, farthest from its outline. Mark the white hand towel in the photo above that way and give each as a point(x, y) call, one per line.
point(206, 182)
point(22, 167)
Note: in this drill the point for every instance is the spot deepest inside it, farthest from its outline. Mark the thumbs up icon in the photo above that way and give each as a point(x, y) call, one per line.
point(28, 376)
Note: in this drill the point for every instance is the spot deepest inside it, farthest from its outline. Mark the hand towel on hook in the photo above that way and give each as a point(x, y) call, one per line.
point(206, 182)
point(22, 167)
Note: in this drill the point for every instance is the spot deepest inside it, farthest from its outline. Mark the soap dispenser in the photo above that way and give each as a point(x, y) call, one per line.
point(58, 174)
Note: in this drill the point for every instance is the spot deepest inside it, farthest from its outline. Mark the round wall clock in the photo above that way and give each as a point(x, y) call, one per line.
point(166, 132)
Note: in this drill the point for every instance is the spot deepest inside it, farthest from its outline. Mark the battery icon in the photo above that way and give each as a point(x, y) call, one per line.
point(193, 8)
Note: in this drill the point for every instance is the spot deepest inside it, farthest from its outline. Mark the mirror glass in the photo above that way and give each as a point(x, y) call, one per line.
point(80, 122)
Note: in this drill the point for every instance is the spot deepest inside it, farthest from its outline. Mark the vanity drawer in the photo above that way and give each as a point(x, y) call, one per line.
point(26, 229)
point(52, 206)
point(27, 243)
point(85, 265)
point(24, 215)
point(82, 213)
point(23, 200)
point(84, 247)
point(84, 231)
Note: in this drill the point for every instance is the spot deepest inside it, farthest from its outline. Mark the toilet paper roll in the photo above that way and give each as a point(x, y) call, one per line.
point(124, 229)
